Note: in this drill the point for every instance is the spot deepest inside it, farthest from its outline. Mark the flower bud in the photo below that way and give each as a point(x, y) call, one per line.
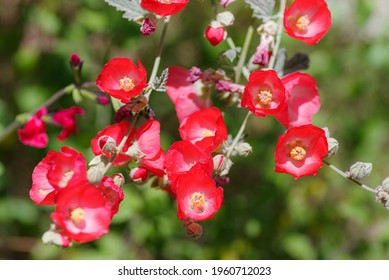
point(139, 175)
point(96, 173)
point(382, 196)
point(359, 170)
point(75, 60)
point(215, 33)
point(53, 236)
point(118, 179)
point(221, 164)
point(225, 18)
point(107, 144)
point(333, 146)
point(244, 149)
point(385, 184)
point(193, 230)
point(149, 25)
point(102, 99)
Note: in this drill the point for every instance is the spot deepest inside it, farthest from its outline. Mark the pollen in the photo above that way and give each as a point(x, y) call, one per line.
point(126, 84)
point(198, 201)
point(298, 153)
point(264, 98)
point(165, 1)
point(207, 133)
point(302, 23)
point(77, 215)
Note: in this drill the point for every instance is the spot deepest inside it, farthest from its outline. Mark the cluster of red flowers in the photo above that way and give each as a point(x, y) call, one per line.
point(191, 169)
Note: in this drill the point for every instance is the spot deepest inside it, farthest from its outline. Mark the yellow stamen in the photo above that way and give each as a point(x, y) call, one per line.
point(198, 200)
point(126, 84)
point(302, 23)
point(207, 133)
point(77, 215)
point(264, 98)
point(165, 1)
point(298, 153)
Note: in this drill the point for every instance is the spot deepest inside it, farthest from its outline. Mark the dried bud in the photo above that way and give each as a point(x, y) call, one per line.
point(139, 175)
point(195, 74)
point(193, 230)
point(225, 18)
point(149, 25)
point(221, 165)
point(244, 149)
point(359, 170)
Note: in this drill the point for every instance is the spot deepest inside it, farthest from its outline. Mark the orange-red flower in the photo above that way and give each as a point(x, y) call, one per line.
point(307, 20)
point(122, 79)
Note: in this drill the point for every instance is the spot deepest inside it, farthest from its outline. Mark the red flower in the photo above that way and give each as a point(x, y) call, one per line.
point(139, 174)
point(205, 128)
point(122, 79)
point(164, 8)
point(300, 151)
point(303, 100)
point(183, 156)
point(34, 131)
point(83, 212)
point(55, 172)
point(67, 119)
point(198, 198)
point(264, 93)
point(115, 133)
point(214, 34)
point(186, 97)
point(307, 20)
point(112, 192)
point(146, 148)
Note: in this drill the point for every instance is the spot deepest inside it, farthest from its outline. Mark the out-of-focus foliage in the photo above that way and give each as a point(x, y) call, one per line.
point(265, 215)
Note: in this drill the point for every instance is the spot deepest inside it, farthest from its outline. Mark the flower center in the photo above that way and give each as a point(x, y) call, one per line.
point(298, 153)
point(77, 215)
point(65, 179)
point(302, 23)
point(207, 133)
point(198, 201)
point(264, 97)
point(165, 1)
point(126, 84)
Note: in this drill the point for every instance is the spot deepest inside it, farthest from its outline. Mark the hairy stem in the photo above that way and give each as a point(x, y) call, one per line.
point(122, 143)
point(278, 36)
point(238, 135)
point(243, 55)
point(157, 60)
point(344, 175)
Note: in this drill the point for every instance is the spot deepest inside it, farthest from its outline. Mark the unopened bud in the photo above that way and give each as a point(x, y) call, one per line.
point(333, 146)
point(385, 184)
point(75, 60)
point(118, 179)
point(225, 18)
point(360, 169)
point(382, 196)
point(102, 99)
point(53, 236)
point(221, 165)
point(244, 149)
point(96, 173)
point(139, 175)
point(107, 144)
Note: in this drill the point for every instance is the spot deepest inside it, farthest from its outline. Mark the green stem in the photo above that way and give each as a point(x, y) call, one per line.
point(344, 175)
point(238, 135)
point(243, 55)
point(278, 36)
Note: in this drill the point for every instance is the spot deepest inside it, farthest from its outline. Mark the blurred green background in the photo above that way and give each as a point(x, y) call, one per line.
point(265, 215)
